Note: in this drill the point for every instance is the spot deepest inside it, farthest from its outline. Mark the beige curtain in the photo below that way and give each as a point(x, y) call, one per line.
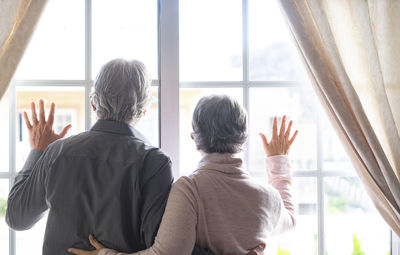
point(351, 50)
point(17, 21)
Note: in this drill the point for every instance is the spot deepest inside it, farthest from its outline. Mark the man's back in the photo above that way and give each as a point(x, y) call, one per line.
point(107, 182)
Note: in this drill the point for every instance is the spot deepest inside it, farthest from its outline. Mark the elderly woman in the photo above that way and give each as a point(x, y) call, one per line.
point(219, 205)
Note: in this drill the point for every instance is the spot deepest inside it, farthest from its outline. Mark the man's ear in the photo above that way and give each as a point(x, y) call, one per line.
point(144, 113)
point(93, 107)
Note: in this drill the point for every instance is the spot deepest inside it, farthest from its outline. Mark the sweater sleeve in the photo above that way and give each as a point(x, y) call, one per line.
point(279, 176)
point(177, 232)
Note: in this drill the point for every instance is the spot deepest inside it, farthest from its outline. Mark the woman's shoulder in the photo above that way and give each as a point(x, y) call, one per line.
point(183, 181)
point(188, 182)
point(184, 189)
point(191, 179)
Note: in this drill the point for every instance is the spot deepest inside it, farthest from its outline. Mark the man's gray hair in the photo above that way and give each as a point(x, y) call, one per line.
point(122, 91)
point(219, 124)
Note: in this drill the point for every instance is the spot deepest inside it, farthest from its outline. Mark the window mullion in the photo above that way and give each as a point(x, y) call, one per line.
point(245, 40)
point(5, 175)
point(12, 151)
point(169, 80)
point(88, 61)
point(320, 188)
point(395, 243)
point(245, 63)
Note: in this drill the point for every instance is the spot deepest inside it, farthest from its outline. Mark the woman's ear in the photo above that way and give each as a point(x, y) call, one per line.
point(192, 136)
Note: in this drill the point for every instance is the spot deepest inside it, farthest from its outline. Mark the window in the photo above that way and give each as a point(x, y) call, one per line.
point(71, 42)
point(244, 51)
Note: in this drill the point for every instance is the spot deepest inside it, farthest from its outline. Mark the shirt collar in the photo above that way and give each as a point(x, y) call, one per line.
point(222, 162)
point(119, 128)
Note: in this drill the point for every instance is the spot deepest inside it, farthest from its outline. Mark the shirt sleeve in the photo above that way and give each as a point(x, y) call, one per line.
point(279, 176)
point(26, 201)
point(157, 181)
point(177, 233)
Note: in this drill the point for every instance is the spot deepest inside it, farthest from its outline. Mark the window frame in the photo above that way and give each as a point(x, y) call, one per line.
point(169, 86)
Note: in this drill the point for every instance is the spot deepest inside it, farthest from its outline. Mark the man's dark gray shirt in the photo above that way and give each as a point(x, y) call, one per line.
point(108, 182)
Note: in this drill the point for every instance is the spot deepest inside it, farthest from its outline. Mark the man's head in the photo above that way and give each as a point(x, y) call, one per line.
point(219, 125)
point(122, 91)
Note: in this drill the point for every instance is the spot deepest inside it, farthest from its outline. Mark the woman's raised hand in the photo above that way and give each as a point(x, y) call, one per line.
point(280, 142)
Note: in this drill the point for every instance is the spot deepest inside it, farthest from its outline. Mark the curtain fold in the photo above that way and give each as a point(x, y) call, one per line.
point(351, 53)
point(18, 19)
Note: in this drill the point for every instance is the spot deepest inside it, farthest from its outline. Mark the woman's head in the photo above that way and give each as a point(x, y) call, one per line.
point(219, 124)
point(122, 91)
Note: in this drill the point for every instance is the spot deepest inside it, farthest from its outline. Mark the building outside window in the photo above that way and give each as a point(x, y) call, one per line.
point(237, 47)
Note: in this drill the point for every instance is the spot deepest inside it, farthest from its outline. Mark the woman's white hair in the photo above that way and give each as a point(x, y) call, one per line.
point(122, 91)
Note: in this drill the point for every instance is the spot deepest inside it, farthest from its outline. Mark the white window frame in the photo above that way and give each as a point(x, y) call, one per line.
point(169, 85)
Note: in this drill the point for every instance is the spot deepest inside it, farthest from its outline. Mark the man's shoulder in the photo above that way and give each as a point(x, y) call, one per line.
point(125, 148)
point(155, 158)
point(155, 153)
point(157, 163)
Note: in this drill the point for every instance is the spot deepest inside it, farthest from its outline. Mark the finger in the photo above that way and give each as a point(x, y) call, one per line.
point(34, 115)
point(79, 252)
point(253, 252)
point(257, 250)
point(264, 139)
point(287, 134)
point(293, 137)
point(275, 127)
point(283, 126)
point(95, 243)
point(64, 131)
point(50, 118)
point(27, 122)
point(265, 142)
point(42, 117)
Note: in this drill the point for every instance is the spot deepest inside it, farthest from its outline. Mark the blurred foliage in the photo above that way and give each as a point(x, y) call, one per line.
point(282, 251)
point(339, 202)
point(357, 246)
point(337, 205)
point(315, 244)
point(3, 207)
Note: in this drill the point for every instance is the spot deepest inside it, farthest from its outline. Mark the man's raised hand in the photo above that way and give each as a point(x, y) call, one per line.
point(41, 132)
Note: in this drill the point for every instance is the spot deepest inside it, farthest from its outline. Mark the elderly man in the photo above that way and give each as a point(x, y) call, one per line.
point(108, 181)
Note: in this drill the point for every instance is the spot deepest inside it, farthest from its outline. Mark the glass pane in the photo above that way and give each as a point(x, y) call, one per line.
point(304, 238)
point(272, 55)
point(148, 124)
point(70, 109)
point(189, 156)
point(299, 105)
point(351, 219)
point(3, 226)
point(4, 133)
point(335, 157)
point(57, 48)
point(125, 29)
point(31, 241)
point(210, 40)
